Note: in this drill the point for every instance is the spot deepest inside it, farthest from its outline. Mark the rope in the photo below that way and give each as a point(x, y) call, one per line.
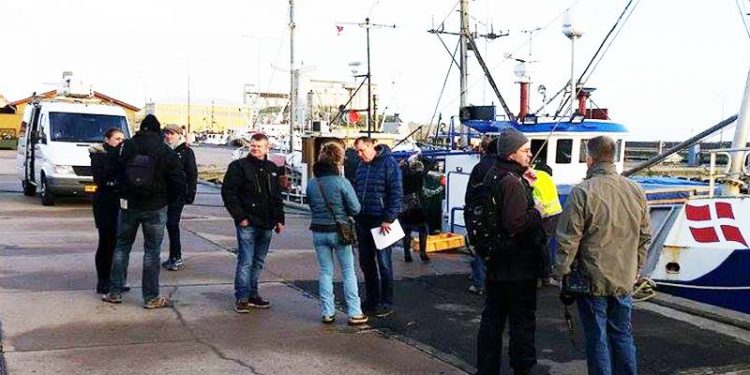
point(744, 16)
point(644, 290)
point(702, 287)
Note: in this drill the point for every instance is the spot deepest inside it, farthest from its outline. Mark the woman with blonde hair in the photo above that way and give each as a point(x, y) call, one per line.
point(332, 200)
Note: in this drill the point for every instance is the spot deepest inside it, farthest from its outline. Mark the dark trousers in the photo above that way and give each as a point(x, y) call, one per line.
point(174, 213)
point(106, 211)
point(515, 302)
point(377, 267)
point(422, 229)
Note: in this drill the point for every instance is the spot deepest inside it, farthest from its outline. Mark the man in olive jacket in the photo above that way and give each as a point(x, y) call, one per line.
point(252, 195)
point(604, 228)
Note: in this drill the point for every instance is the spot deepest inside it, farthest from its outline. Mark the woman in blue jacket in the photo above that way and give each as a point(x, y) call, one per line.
point(330, 189)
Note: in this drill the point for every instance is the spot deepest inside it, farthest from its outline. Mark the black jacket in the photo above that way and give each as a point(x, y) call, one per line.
point(187, 157)
point(105, 169)
point(251, 191)
point(521, 224)
point(478, 173)
point(169, 178)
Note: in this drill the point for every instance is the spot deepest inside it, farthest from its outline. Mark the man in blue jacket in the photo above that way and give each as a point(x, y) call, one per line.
point(379, 191)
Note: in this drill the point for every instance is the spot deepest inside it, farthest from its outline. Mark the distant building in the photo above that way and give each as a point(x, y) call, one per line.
point(210, 116)
point(12, 113)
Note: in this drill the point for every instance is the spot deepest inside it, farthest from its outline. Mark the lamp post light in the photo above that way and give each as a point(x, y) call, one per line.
point(573, 33)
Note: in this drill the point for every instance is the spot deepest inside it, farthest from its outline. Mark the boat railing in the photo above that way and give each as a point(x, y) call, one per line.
point(724, 173)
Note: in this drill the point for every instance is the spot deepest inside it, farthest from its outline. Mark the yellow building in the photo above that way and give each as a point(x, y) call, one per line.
point(12, 113)
point(211, 116)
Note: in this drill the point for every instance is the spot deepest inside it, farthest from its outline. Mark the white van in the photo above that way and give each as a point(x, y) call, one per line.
point(53, 145)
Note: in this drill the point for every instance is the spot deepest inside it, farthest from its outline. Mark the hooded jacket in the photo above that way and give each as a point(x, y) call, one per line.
point(251, 191)
point(379, 187)
point(606, 225)
point(169, 178)
point(521, 227)
point(338, 192)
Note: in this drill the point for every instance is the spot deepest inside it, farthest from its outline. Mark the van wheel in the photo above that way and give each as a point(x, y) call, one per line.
point(47, 198)
point(29, 190)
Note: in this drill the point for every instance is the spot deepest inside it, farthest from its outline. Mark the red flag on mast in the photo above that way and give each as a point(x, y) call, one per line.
point(339, 29)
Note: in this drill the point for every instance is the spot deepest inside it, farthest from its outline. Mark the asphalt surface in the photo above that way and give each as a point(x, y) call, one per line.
point(51, 321)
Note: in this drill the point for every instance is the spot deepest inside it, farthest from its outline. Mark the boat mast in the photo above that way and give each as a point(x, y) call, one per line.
point(292, 83)
point(732, 186)
point(463, 68)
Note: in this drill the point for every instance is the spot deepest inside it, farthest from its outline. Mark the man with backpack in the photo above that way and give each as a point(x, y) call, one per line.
point(511, 240)
point(152, 177)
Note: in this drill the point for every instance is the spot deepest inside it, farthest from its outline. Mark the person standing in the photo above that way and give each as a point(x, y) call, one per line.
point(414, 218)
point(514, 265)
point(381, 196)
point(332, 200)
point(106, 205)
point(173, 137)
point(604, 229)
point(252, 195)
point(151, 177)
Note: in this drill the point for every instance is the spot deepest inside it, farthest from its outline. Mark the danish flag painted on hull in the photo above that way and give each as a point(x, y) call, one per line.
point(713, 223)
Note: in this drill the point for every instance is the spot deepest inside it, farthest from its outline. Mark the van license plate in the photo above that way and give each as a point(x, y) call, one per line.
point(89, 188)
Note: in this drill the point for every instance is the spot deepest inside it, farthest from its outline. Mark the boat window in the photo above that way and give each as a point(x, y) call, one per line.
point(564, 151)
point(582, 151)
point(539, 150)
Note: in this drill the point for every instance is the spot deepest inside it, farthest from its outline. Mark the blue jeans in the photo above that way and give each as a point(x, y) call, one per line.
point(477, 271)
point(174, 214)
point(326, 246)
point(377, 267)
point(610, 348)
point(153, 222)
point(251, 255)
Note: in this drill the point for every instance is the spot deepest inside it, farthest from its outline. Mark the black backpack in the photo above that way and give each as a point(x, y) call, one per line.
point(140, 174)
point(482, 214)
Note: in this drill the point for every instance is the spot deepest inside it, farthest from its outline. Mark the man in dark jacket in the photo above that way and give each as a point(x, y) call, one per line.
point(380, 193)
point(151, 178)
point(513, 268)
point(488, 158)
point(173, 137)
point(252, 195)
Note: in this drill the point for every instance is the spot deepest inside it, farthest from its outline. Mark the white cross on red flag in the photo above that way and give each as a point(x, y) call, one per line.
point(704, 226)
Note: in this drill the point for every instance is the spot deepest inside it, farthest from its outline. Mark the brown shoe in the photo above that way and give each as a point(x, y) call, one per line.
point(157, 303)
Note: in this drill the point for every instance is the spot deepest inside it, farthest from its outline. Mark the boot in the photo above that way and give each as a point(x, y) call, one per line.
point(407, 249)
point(423, 247)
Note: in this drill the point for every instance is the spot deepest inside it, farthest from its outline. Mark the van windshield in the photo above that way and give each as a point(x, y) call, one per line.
point(83, 127)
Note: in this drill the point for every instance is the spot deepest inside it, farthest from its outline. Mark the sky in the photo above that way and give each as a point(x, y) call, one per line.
point(676, 68)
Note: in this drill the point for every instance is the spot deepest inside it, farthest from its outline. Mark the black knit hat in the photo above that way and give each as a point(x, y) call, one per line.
point(150, 123)
point(510, 141)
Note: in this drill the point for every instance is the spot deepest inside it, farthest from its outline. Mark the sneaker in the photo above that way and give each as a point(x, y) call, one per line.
point(357, 320)
point(382, 311)
point(242, 306)
point(328, 319)
point(112, 297)
point(258, 302)
point(473, 289)
point(173, 264)
point(157, 303)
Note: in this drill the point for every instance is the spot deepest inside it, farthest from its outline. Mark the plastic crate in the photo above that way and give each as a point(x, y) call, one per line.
point(440, 242)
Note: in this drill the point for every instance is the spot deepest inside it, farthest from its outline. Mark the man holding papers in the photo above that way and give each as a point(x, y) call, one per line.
point(378, 186)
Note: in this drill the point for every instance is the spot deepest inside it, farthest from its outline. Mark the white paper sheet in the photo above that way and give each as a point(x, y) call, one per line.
point(384, 240)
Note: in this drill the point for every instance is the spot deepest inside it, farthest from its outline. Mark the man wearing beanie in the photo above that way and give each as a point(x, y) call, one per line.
point(151, 177)
point(512, 268)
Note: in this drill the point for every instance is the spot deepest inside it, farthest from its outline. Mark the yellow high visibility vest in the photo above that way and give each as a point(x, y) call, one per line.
point(545, 191)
